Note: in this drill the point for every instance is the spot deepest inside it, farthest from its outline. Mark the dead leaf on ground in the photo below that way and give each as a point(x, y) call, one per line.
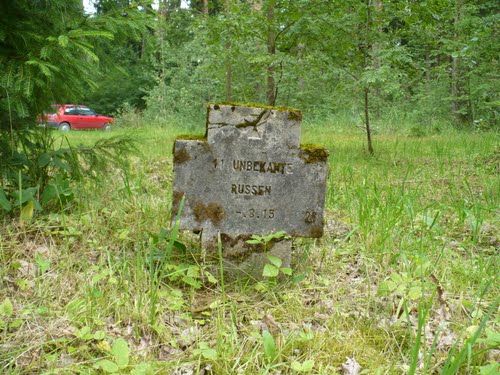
point(188, 336)
point(334, 227)
point(351, 367)
point(26, 269)
point(270, 323)
point(185, 369)
point(167, 352)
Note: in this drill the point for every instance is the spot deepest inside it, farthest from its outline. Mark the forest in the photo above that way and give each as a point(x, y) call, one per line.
point(96, 278)
point(427, 62)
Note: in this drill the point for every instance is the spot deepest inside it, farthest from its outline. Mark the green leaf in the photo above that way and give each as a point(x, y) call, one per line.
point(280, 234)
point(4, 202)
point(49, 193)
point(120, 352)
point(63, 40)
point(16, 323)
point(193, 271)
point(205, 351)
point(79, 33)
point(107, 366)
point(254, 242)
point(6, 308)
point(25, 195)
point(27, 211)
point(180, 246)
point(209, 354)
point(296, 366)
point(191, 281)
point(397, 278)
point(287, 271)
point(492, 337)
point(42, 310)
point(269, 345)
point(142, 369)
point(61, 164)
point(210, 277)
point(306, 366)
point(298, 278)
point(84, 334)
point(99, 335)
point(44, 159)
point(415, 292)
point(43, 264)
point(270, 270)
point(274, 260)
point(387, 287)
point(306, 336)
point(491, 369)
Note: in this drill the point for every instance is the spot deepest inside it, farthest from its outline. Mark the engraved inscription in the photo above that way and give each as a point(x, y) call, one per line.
point(310, 217)
point(237, 184)
point(262, 166)
point(251, 189)
point(255, 213)
point(256, 166)
point(218, 163)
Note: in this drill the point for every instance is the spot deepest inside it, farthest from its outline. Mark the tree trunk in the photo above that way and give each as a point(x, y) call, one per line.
point(366, 62)
point(375, 50)
point(427, 64)
point(205, 7)
point(300, 54)
point(228, 70)
point(257, 7)
point(271, 50)
point(229, 73)
point(367, 121)
point(459, 103)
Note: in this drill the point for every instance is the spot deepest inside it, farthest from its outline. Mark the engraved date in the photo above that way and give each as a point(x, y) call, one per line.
point(254, 213)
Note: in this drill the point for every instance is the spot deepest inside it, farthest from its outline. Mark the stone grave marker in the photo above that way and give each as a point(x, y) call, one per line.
point(249, 175)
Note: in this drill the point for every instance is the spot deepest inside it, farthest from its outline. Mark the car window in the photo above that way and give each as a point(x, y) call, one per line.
point(71, 111)
point(86, 111)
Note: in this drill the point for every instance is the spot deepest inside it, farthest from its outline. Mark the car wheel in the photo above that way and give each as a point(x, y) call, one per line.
point(106, 127)
point(64, 127)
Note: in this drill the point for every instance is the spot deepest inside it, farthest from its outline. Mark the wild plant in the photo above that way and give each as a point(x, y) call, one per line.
point(39, 169)
point(273, 268)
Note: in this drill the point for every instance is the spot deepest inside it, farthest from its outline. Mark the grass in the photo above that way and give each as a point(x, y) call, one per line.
point(405, 279)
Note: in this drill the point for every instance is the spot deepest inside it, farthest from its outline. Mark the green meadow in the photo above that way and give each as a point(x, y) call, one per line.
point(405, 279)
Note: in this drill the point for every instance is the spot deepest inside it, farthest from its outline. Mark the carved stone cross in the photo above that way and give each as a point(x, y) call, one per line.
point(249, 175)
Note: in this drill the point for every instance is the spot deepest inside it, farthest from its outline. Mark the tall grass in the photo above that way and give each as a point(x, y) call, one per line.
point(421, 214)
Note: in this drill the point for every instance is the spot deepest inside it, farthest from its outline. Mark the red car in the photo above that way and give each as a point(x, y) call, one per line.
point(72, 116)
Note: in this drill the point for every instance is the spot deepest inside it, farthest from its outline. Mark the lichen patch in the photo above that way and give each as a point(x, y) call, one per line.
point(313, 154)
point(181, 156)
point(212, 211)
point(293, 113)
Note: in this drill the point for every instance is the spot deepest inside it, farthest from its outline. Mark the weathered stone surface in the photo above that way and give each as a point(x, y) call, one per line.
point(250, 176)
point(251, 263)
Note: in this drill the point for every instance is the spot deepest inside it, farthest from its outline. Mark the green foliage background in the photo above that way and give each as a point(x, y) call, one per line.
point(432, 62)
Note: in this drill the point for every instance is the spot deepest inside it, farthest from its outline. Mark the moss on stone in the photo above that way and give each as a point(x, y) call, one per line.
point(212, 211)
point(316, 231)
point(181, 156)
point(311, 153)
point(293, 113)
point(176, 200)
point(191, 137)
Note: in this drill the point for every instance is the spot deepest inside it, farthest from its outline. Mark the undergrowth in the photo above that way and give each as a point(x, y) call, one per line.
point(405, 279)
